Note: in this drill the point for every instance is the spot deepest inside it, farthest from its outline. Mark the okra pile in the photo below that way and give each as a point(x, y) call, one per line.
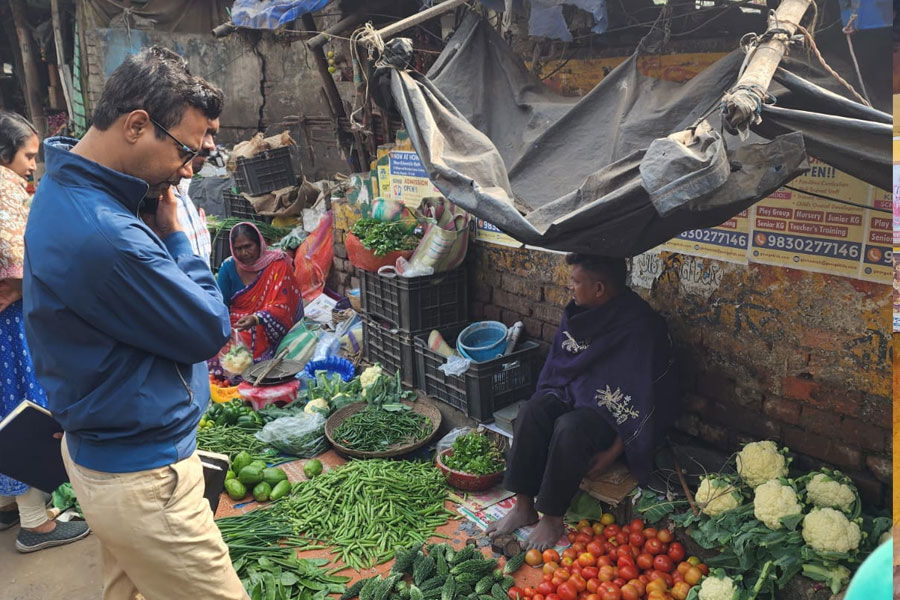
point(438, 572)
point(366, 508)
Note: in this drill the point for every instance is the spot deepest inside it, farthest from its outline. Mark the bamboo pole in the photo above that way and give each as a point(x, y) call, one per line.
point(338, 28)
point(403, 24)
point(745, 96)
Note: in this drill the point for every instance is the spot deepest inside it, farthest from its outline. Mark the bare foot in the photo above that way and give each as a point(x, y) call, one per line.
point(547, 533)
point(522, 514)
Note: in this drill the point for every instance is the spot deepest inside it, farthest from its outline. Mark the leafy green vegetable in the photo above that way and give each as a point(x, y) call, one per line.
point(653, 508)
point(475, 454)
point(269, 570)
point(384, 237)
point(270, 412)
point(333, 389)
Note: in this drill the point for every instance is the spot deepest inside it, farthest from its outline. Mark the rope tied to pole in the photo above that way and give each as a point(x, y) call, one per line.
point(368, 37)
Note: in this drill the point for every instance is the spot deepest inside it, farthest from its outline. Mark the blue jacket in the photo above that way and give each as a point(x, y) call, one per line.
point(119, 322)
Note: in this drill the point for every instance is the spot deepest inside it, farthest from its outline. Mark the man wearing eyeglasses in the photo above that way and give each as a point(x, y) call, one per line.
point(192, 220)
point(121, 317)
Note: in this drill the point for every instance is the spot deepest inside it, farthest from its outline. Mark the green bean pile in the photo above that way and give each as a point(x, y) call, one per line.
point(375, 429)
point(366, 508)
point(231, 440)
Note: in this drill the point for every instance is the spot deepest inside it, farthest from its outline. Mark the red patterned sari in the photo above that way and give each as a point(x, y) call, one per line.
point(274, 297)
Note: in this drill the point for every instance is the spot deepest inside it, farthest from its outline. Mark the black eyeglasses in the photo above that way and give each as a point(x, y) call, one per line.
point(186, 151)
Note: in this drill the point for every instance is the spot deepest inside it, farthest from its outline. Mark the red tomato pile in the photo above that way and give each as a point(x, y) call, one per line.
point(609, 562)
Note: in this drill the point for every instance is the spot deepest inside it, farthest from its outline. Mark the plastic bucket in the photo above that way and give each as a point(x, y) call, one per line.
point(482, 341)
point(332, 364)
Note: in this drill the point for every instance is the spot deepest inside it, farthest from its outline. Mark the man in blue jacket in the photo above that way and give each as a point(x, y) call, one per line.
point(121, 316)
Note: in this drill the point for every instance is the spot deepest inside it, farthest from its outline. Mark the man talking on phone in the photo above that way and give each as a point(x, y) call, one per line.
point(122, 316)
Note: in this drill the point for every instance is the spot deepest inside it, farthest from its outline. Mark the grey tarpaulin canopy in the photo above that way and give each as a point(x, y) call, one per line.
point(614, 172)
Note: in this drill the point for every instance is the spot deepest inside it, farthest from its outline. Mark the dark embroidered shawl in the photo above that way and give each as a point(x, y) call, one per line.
point(617, 359)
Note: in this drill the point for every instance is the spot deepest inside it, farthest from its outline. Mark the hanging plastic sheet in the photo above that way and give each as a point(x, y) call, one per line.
point(271, 14)
point(627, 166)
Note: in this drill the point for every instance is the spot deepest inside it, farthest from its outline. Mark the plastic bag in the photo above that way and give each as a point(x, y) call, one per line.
point(446, 239)
point(455, 365)
point(329, 345)
point(235, 357)
point(313, 259)
point(300, 341)
point(302, 436)
point(447, 441)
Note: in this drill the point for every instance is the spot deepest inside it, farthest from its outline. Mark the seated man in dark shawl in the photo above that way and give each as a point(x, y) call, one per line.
point(608, 386)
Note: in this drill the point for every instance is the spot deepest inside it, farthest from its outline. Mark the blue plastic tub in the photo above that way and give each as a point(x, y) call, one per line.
point(482, 341)
point(332, 364)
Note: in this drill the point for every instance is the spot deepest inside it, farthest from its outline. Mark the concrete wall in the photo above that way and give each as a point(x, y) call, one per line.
point(270, 85)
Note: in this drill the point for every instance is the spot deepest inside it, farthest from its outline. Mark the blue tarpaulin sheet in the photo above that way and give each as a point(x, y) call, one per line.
point(271, 14)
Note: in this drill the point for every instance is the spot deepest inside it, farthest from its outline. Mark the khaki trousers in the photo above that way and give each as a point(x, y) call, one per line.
point(157, 535)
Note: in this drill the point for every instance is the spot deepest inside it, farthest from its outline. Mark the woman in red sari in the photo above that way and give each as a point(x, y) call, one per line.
point(259, 288)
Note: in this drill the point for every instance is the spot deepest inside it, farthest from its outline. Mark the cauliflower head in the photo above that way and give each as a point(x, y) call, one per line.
point(774, 500)
point(370, 376)
point(316, 405)
point(825, 492)
point(829, 530)
point(714, 588)
point(758, 462)
point(716, 496)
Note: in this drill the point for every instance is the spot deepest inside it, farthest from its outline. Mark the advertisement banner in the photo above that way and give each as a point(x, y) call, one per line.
point(409, 180)
point(485, 232)
point(729, 241)
point(798, 230)
point(878, 247)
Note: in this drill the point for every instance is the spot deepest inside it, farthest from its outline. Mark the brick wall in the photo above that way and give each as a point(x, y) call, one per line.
point(342, 276)
point(765, 352)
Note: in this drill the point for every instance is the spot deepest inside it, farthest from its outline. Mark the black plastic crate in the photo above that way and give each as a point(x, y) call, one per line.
point(221, 250)
point(267, 171)
point(391, 348)
point(238, 206)
point(486, 387)
point(415, 304)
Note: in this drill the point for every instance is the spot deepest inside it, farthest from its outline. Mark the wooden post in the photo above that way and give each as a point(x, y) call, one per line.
point(32, 81)
point(360, 161)
point(64, 76)
point(763, 63)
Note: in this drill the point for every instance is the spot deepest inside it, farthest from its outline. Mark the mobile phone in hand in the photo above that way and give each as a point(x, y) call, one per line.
point(148, 205)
